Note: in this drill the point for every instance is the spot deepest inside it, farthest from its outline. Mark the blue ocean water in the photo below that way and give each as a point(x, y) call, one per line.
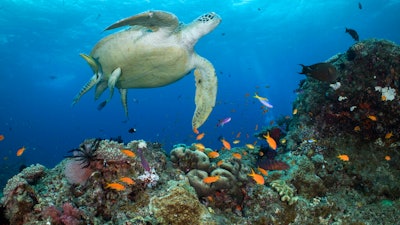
point(256, 49)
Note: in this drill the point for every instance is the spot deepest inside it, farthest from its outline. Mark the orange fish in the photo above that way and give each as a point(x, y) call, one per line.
point(357, 128)
point(1, 137)
point(389, 135)
point(213, 155)
point(250, 146)
point(116, 186)
point(236, 142)
point(200, 147)
point(372, 117)
point(127, 180)
point(344, 157)
point(237, 155)
point(271, 142)
point(238, 135)
point(219, 163)
point(263, 171)
point(226, 144)
point(128, 153)
point(200, 136)
point(195, 130)
point(387, 158)
point(21, 151)
point(211, 179)
point(259, 179)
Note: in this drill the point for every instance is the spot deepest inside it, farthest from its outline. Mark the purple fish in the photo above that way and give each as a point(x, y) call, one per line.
point(223, 121)
point(266, 103)
point(143, 160)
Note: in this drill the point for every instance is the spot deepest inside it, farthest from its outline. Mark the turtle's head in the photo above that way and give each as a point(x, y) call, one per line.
point(208, 21)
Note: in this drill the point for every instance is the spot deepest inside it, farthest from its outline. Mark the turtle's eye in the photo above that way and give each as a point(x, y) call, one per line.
point(206, 17)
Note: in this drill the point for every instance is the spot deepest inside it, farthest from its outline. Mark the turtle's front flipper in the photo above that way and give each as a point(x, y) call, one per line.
point(206, 90)
point(111, 84)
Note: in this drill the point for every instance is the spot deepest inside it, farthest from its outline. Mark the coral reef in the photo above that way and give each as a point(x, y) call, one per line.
point(357, 116)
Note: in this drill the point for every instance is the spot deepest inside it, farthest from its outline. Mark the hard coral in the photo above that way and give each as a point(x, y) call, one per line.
point(285, 191)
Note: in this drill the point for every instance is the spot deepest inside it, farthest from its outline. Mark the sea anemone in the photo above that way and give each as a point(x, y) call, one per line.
point(85, 154)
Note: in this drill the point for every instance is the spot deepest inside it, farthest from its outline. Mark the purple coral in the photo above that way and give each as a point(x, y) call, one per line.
point(69, 215)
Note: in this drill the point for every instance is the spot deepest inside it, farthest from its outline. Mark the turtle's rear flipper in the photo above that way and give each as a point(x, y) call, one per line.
point(206, 91)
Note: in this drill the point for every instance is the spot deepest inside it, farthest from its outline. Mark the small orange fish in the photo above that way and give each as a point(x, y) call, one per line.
point(211, 179)
point(213, 155)
point(387, 158)
point(372, 117)
point(357, 128)
point(236, 142)
point(219, 163)
point(128, 153)
point(127, 180)
point(195, 130)
point(200, 136)
point(210, 198)
point(271, 142)
point(263, 171)
point(238, 135)
point(226, 144)
point(115, 186)
point(200, 147)
point(250, 146)
point(20, 151)
point(259, 179)
point(383, 98)
point(1, 137)
point(389, 135)
point(237, 155)
point(344, 157)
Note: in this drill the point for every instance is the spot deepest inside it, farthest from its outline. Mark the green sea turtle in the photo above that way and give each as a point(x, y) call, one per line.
point(155, 51)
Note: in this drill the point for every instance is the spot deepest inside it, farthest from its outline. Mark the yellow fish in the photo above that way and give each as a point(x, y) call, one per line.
point(250, 146)
point(200, 147)
point(236, 142)
point(259, 97)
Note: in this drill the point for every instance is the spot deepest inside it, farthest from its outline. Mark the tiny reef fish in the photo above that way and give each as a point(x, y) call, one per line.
point(127, 180)
point(259, 97)
point(224, 121)
point(357, 128)
point(128, 153)
point(389, 135)
point(21, 151)
point(237, 155)
point(200, 147)
point(344, 157)
point(1, 137)
point(263, 171)
point(200, 136)
point(236, 142)
point(271, 142)
point(259, 179)
point(372, 117)
point(115, 186)
point(225, 143)
point(213, 154)
point(387, 158)
point(250, 146)
point(294, 111)
point(219, 163)
point(211, 179)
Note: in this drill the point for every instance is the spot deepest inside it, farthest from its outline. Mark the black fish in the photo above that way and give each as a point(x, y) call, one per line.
point(320, 71)
point(353, 34)
point(359, 5)
point(132, 130)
